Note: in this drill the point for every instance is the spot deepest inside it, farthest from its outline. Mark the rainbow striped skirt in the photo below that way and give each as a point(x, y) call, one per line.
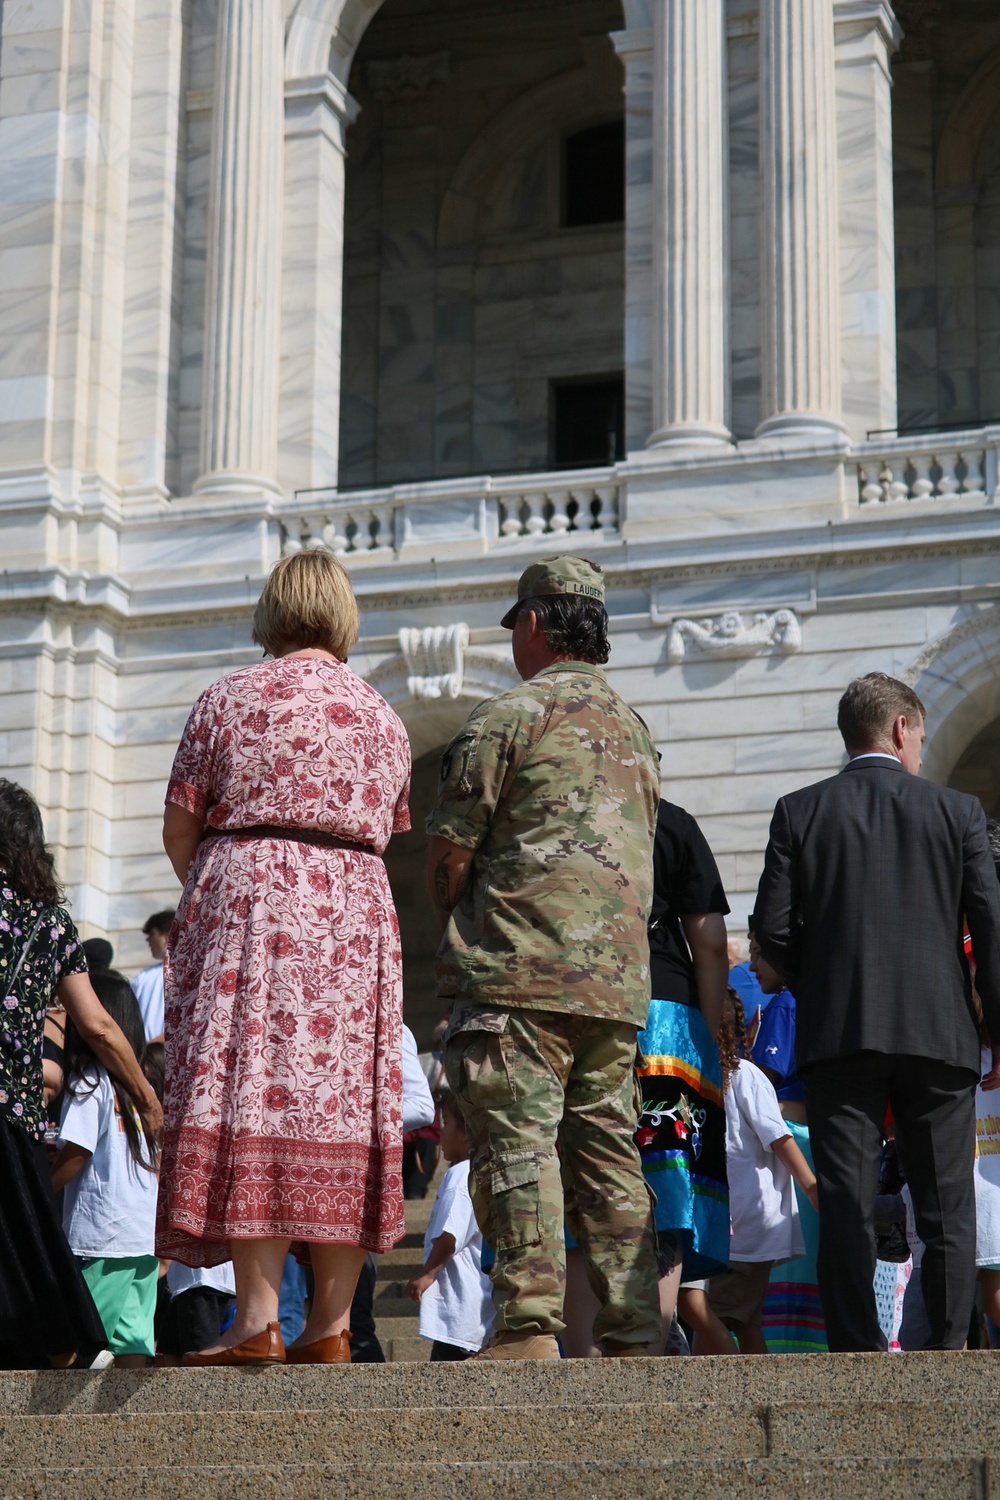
point(682, 1134)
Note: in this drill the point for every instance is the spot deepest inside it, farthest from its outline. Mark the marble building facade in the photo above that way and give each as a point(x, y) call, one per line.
point(283, 273)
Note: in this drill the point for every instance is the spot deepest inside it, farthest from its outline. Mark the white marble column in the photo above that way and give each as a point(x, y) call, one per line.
point(800, 323)
point(318, 112)
point(690, 345)
point(866, 35)
point(239, 412)
point(635, 48)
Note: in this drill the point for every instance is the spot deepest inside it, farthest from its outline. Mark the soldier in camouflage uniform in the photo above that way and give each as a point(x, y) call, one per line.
point(541, 868)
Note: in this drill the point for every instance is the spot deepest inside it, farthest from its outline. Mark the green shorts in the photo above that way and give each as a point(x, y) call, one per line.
point(124, 1291)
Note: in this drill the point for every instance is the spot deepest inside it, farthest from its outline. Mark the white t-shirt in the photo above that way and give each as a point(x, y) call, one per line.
point(147, 987)
point(987, 1173)
point(762, 1206)
point(109, 1209)
point(457, 1308)
point(216, 1278)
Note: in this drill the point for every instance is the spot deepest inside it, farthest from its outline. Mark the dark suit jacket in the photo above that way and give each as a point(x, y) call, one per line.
point(867, 877)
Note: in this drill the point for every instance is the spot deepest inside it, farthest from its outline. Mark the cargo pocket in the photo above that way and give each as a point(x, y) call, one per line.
point(516, 1207)
point(478, 1061)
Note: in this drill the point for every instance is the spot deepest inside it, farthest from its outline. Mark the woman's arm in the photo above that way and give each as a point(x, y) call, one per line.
point(181, 836)
point(52, 1080)
point(706, 937)
point(68, 1164)
point(108, 1042)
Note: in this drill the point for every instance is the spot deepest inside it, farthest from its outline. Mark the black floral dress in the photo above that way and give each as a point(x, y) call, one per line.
point(55, 951)
point(45, 1307)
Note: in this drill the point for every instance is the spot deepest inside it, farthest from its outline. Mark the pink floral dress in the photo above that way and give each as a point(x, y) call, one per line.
point(283, 988)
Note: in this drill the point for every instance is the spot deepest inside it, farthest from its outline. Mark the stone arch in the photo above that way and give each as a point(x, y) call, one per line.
point(958, 678)
point(574, 97)
point(430, 723)
point(966, 126)
point(322, 36)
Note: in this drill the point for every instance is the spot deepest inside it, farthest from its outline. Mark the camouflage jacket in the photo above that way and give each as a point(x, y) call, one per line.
point(555, 785)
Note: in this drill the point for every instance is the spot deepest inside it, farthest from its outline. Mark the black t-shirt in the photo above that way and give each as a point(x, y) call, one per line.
point(686, 883)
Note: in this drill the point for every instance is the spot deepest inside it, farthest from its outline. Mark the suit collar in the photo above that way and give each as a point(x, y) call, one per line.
point(875, 763)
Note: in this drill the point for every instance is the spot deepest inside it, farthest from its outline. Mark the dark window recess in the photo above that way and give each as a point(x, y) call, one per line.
point(594, 175)
point(588, 422)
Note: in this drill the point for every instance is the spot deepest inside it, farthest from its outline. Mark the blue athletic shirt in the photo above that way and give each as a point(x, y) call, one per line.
point(774, 1048)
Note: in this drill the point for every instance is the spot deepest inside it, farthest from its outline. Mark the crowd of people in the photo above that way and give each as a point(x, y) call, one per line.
point(648, 1152)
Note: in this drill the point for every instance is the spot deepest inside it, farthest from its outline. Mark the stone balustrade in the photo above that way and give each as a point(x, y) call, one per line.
point(940, 466)
point(485, 513)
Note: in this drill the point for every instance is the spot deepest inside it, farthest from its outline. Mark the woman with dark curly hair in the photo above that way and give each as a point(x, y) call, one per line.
point(46, 1312)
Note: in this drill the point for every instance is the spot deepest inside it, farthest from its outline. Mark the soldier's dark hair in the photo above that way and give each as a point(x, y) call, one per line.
point(573, 625)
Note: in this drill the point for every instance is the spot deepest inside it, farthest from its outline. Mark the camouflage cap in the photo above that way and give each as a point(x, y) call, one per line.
point(557, 575)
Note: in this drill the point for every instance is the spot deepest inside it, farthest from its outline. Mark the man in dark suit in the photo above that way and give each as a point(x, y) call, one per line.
point(867, 879)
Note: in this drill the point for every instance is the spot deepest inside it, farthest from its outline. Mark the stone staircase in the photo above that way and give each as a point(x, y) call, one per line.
point(821, 1427)
point(396, 1317)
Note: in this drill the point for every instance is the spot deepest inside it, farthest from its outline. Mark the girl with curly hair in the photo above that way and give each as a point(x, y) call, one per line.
point(763, 1163)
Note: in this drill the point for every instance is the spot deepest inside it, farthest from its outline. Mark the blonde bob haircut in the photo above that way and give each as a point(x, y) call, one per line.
point(307, 601)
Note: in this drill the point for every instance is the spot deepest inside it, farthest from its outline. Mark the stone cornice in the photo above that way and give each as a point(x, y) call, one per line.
point(319, 106)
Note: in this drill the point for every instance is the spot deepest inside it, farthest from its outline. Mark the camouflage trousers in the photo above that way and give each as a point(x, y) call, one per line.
point(535, 1086)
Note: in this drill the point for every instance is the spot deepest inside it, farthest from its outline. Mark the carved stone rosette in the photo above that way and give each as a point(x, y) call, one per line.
point(732, 635)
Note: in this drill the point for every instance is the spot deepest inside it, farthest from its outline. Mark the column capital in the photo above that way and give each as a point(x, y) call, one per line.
point(319, 106)
point(866, 32)
point(632, 44)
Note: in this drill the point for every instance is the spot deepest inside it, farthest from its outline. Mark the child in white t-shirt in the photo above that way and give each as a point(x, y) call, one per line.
point(456, 1306)
point(762, 1161)
point(107, 1164)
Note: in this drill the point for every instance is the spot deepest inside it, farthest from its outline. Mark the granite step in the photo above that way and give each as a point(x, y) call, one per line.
point(667, 1432)
point(799, 1478)
point(967, 1380)
point(827, 1427)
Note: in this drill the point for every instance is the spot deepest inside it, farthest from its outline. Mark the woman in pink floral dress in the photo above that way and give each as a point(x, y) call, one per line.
point(283, 986)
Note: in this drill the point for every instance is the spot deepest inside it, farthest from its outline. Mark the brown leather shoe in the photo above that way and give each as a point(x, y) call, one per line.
point(264, 1348)
point(335, 1350)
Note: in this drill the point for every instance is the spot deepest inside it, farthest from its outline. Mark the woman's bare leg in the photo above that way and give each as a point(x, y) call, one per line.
point(257, 1265)
point(336, 1269)
point(580, 1308)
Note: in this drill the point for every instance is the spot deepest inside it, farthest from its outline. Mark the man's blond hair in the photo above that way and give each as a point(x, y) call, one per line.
point(307, 601)
point(870, 707)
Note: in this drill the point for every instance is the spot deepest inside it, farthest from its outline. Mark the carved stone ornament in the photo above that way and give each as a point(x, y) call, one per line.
point(733, 635)
point(435, 660)
point(405, 77)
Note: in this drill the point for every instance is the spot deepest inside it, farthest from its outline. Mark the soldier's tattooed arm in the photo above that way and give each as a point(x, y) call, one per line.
point(449, 867)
